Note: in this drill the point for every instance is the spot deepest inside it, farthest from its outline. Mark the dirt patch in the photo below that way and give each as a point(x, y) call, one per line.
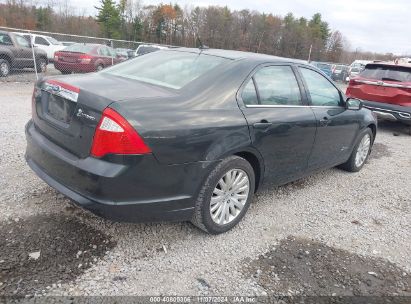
point(308, 268)
point(44, 251)
point(379, 150)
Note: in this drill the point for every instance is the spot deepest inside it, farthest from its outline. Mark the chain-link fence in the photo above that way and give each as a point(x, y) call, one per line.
point(28, 55)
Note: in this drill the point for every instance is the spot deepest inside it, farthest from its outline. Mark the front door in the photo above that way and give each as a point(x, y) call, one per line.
point(281, 126)
point(337, 126)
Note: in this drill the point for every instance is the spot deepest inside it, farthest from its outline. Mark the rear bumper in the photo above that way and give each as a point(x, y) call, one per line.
point(74, 67)
point(389, 111)
point(138, 189)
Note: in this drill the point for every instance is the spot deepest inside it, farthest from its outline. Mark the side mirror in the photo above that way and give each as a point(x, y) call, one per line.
point(353, 104)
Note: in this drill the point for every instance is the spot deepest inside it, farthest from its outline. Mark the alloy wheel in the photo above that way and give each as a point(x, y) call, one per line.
point(363, 150)
point(229, 196)
point(4, 69)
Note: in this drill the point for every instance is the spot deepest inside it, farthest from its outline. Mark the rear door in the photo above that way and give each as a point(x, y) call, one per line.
point(24, 51)
point(336, 125)
point(282, 126)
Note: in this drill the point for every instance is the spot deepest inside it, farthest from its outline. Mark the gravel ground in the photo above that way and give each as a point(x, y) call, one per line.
point(360, 219)
point(28, 75)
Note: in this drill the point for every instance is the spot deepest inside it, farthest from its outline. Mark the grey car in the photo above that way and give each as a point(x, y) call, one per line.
point(191, 135)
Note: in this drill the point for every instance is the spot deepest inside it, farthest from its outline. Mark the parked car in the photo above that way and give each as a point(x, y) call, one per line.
point(323, 67)
point(46, 43)
point(354, 72)
point(384, 88)
point(124, 53)
point(84, 58)
point(148, 48)
point(359, 64)
point(189, 134)
point(339, 72)
point(16, 53)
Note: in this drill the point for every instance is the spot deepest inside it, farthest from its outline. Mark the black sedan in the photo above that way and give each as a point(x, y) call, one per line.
point(187, 134)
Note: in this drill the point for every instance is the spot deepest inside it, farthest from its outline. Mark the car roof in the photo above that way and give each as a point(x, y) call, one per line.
point(91, 44)
point(238, 55)
point(390, 64)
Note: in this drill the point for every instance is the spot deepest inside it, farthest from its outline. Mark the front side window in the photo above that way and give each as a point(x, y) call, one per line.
point(5, 39)
point(22, 41)
point(54, 41)
point(103, 51)
point(111, 52)
point(277, 85)
point(41, 40)
point(321, 91)
point(172, 69)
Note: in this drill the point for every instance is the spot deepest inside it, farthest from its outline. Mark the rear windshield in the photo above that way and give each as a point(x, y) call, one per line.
point(323, 66)
point(390, 73)
point(79, 48)
point(172, 69)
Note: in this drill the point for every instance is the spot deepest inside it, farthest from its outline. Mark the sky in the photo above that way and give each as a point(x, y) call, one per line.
point(370, 25)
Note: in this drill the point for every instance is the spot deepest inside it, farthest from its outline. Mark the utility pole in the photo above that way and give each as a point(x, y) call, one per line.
point(309, 54)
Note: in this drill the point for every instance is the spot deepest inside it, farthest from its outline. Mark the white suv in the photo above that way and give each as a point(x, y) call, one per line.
point(46, 43)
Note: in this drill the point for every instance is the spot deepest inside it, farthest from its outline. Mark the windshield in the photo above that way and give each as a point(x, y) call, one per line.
point(170, 69)
point(385, 72)
point(53, 41)
point(79, 48)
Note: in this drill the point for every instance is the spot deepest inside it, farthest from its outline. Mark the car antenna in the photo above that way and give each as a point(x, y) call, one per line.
point(202, 46)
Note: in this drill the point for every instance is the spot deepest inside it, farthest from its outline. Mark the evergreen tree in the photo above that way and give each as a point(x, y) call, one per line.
point(109, 19)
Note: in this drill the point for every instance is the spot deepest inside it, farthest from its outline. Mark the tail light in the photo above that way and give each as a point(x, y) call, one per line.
point(56, 56)
point(85, 59)
point(114, 135)
point(36, 94)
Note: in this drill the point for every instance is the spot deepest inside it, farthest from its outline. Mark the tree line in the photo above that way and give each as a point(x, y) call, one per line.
point(214, 26)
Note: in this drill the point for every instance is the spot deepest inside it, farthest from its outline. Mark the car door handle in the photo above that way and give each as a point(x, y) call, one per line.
point(263, 124)
point(325, 121)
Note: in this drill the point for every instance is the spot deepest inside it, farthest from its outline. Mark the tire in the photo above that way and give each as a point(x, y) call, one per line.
point(99, 67)
point(4, 68)
point(41, 65)
point(231, 166)
point(352, 165)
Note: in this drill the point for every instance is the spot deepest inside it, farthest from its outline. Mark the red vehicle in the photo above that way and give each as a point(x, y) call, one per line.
point(385, 88)
point(84, 58)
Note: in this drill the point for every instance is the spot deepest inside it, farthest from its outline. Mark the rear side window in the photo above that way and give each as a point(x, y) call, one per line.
point(277, 85)
point(390, 73)
point(321, 91)
point(172, 69)
point(249, 95)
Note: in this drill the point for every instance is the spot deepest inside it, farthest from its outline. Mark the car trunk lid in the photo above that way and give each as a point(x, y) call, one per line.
point(67, 110)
